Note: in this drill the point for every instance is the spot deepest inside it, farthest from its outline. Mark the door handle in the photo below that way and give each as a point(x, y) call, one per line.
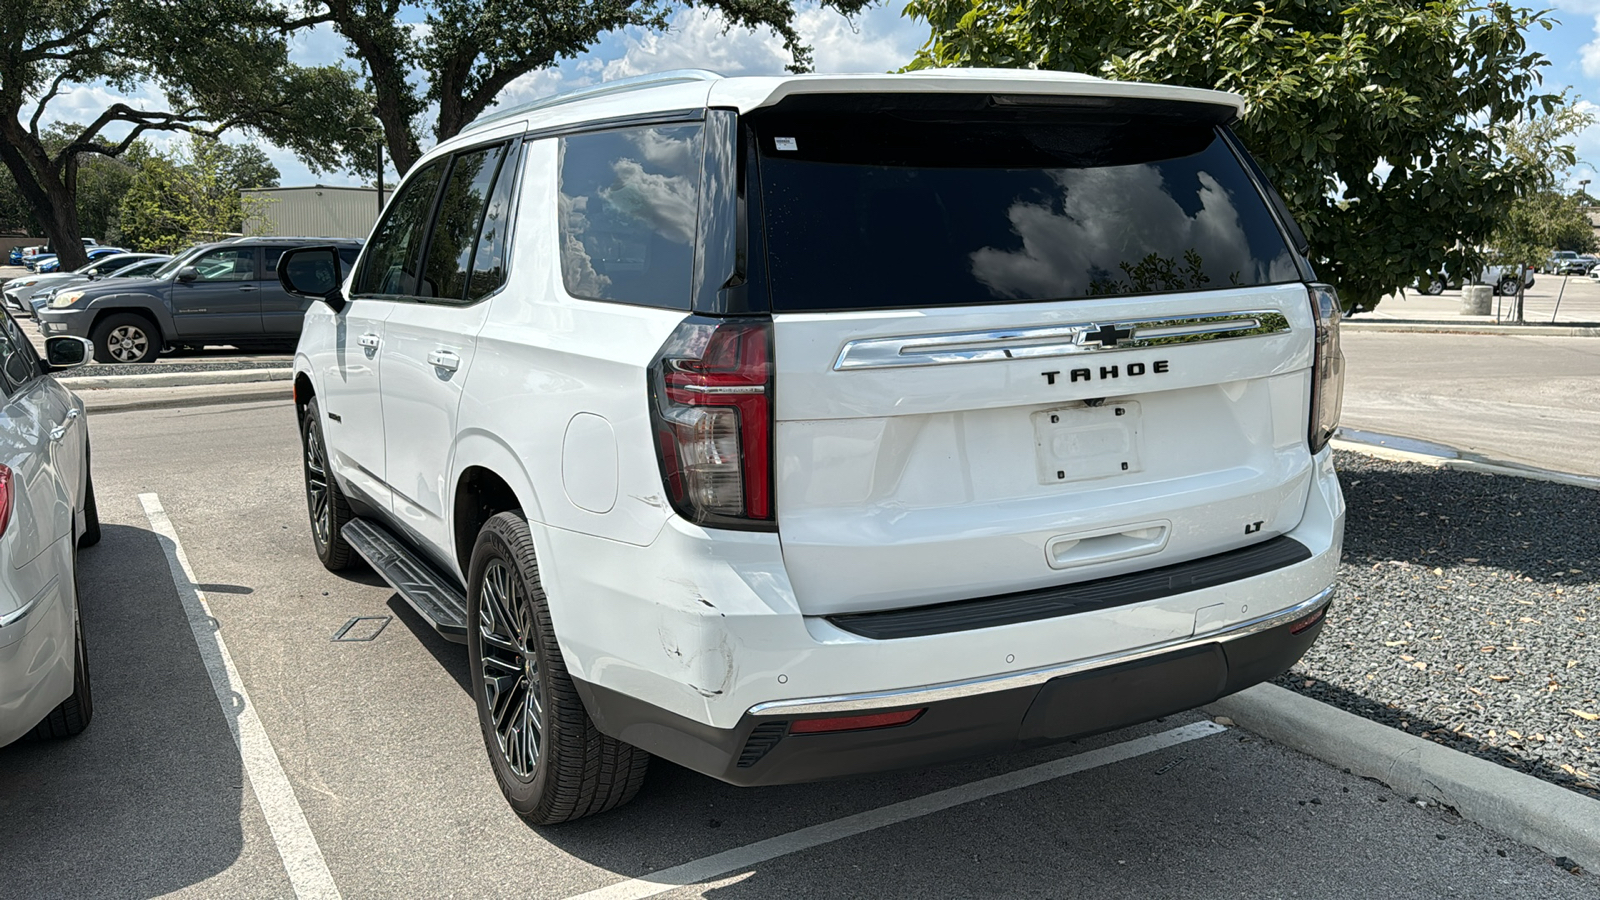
point(444, 359)
point(368, 340)
point(60, 431)
point(247, 287)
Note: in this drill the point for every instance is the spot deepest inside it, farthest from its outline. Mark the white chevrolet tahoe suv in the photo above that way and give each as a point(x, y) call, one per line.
point(797, 427)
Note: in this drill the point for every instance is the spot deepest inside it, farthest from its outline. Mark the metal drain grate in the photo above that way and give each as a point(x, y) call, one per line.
point(361, 628)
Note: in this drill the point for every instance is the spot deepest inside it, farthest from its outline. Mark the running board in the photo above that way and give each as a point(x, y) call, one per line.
point(431, 594)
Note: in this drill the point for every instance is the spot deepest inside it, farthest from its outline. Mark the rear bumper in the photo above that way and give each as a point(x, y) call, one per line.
point(973, 718)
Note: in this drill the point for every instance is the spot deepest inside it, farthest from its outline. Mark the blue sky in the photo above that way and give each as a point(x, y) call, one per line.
point(877, 41)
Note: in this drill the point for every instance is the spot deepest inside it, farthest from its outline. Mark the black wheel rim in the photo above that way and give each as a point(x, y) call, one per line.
point(508, 668)
point(317, 488)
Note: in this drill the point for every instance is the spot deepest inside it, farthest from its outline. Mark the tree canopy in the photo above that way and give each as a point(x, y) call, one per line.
point(1376, 119)
point(468, 51)
point(220, 64)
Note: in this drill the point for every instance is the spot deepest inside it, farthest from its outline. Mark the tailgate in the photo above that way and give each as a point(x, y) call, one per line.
point(930, 455)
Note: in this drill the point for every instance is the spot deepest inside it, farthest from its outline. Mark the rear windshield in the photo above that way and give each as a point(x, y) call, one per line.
point(876, 210)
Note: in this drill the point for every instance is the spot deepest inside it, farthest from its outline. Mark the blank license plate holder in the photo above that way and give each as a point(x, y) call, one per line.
point(1079, 443)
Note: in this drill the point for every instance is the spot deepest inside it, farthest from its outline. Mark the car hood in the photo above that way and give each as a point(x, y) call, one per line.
point(106, 287)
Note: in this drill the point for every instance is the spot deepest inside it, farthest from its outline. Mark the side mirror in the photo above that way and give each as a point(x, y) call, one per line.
point(66, 352)
point(188, 273)
point(313, 272)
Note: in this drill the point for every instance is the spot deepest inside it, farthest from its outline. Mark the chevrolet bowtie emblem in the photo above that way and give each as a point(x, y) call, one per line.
point(1106, 335)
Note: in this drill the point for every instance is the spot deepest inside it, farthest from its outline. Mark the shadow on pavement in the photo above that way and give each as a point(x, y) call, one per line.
point(146, 800)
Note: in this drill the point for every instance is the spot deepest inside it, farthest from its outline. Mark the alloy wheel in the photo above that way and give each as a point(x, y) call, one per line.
point(317, 488)
point(127, 343)
point(508, 667)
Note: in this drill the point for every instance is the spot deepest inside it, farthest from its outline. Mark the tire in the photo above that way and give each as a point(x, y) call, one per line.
point(91, 515)
point(1506, 288)
point(74, 713)
point(126, 338)
point(562, 768)
point(325, 503)
point(1435, 288)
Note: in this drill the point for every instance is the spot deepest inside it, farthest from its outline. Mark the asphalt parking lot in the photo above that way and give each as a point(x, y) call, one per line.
point(389, 794)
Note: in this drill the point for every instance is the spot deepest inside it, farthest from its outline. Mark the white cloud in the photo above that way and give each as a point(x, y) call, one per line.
point(1589, 54)
point(879, 40)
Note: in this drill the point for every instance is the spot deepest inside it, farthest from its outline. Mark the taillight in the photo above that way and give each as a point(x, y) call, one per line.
point(5, 498)
point(711, 400)
point(1327, 367)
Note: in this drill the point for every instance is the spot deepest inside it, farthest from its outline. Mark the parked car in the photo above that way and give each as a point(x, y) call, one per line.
point(47, 511)
point(19, 291)
point(1503, 278)
point(54, 265)
point(142, 269)
point(792, 428)
point(222, 293)
point(1552, 266)
point(31, 261)
point(15, 257)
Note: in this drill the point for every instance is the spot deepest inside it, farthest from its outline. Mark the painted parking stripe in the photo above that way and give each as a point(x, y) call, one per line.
point(720, 864)
point(302, 858)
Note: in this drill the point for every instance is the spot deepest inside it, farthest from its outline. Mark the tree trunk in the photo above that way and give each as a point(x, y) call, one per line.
point(46, 193)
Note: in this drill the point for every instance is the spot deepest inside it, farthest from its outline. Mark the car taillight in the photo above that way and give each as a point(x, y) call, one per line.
point(5, 498)
point(711, 401)
point(1327, 367)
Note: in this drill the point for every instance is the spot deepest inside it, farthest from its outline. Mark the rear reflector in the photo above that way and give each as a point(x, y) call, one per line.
point(856, 723)
point(7, 487)
point(1308, 621)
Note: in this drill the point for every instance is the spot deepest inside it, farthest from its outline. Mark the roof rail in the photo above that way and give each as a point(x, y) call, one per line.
point(619, 86)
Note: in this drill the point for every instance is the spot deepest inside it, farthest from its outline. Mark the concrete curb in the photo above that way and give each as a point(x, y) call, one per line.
point(1551, 818)
point(176, 379)
point(1442, 457)
point(116, 400)
point(1445, 327)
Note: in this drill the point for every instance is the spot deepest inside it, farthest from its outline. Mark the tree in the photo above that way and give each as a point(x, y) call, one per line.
point(1374, 118)
point(219, 64)
point(472, 49)
point(191, 195)
point(1541, 215)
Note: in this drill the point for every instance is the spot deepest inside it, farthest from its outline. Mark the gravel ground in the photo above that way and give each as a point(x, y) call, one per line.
point(1467, 614)
point(182, 365)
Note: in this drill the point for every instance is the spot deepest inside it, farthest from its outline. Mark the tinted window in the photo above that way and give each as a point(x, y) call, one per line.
point(232, 264)
point(110, 263)
point(628, 206)
point(455, 229)
point(869, 211)
point(393, 253)
point(489, 260)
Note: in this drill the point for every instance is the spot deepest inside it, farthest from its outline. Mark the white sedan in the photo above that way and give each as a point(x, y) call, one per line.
point(47, 511)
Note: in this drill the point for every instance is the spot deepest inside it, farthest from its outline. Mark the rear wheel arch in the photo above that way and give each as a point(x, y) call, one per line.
point(480, 494)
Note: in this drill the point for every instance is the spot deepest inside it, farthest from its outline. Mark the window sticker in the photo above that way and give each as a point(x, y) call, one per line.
point(786, 143)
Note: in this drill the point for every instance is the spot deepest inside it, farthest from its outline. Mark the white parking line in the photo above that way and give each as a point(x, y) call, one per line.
point(302, 858)
point(727, 861)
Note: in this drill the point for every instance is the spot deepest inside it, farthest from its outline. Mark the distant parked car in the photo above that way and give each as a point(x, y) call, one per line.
point(142, 269)
point(15, 257)
point(1553, 265)
point(47, 511)
point(1503, 278)
point(223, 293)
point(54, 265)
point(19, 291)
point(31, 261)
point(1577, 265)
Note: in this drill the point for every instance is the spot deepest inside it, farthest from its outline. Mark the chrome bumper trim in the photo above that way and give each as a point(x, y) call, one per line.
point(848, 703)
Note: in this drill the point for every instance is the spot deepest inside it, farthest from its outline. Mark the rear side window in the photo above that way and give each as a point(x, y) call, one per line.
point(393, 254)
point(877, 210)
point(455, 228)
point(628, 209)
point(489, 260)
point(18, 363)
